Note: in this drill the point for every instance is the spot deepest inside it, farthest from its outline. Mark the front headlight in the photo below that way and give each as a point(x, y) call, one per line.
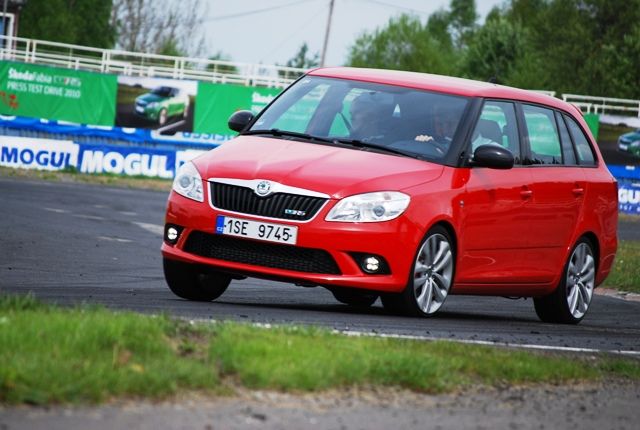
point(370, 207)
point(635, 144)
point(188, 182)
point(152, 105)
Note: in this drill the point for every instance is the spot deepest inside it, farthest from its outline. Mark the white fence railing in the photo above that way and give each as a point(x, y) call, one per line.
point(604, 105)
point(166, 66)
point(142, 64)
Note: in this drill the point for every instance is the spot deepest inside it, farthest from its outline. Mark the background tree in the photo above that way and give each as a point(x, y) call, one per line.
point(158, 26)
point(224, 69)
point(303, 59)
point(404, 44)
point(462, 20)
point(495, 50)
point(79, 22)
point(568, 46)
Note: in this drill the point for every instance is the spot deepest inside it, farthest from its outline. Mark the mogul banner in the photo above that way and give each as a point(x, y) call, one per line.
point(216, 102)
point(49, 154)
point(60, 94)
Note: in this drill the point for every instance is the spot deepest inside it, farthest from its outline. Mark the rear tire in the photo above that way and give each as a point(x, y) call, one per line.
point(187, 282)
point(360, 299)
point(431, 277)
point(569, 303)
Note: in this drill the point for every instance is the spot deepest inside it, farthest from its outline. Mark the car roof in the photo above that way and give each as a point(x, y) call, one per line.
point(443, 84)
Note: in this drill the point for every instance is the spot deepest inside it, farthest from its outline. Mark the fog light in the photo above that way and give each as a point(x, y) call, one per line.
point(172, 233)
point(372, 264)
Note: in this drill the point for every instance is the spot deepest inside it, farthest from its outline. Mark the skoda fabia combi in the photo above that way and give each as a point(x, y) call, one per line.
point(401, 186)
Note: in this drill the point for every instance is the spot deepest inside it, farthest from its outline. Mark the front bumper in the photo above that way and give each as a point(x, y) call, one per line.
point(148, 113)
point(396, 241)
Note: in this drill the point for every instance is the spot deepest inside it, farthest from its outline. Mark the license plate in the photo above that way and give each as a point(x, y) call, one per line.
point(623, 146)
point(256, 230)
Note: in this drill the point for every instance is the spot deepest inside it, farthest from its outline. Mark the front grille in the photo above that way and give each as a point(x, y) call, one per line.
point(273, 255)
point(244, 200)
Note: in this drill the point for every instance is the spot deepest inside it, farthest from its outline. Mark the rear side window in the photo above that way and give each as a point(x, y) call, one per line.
point(568, 152)
point(544, 141)
point(583, 148)
point(497, 125)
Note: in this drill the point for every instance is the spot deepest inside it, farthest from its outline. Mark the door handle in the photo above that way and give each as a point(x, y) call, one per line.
point(578, 190)
point(526, 194)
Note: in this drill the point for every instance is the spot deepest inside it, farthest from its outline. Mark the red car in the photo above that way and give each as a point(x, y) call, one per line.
point(403, 186)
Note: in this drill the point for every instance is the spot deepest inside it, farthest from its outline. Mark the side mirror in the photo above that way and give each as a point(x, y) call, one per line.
point(493, 157)
point(239, 120)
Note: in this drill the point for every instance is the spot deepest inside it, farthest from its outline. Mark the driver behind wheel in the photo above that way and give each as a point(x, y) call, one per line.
point(370, 115)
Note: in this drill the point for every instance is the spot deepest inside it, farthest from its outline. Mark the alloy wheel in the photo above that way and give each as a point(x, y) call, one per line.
point(580, 281)
point(433, 273)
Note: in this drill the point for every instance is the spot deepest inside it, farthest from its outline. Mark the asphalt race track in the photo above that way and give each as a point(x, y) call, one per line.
point(72, 243)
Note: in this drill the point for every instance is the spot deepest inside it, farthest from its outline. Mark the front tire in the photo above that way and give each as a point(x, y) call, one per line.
point(359, 299)
point(162, 117)
point(431, 277)
point(187, 282)
point(569, 303)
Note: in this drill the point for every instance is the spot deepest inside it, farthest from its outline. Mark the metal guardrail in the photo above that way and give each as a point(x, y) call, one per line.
point(143, 64)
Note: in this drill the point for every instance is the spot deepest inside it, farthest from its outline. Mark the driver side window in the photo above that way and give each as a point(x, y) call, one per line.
point(497, 126)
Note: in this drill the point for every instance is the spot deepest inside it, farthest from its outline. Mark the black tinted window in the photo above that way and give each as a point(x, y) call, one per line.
point(585, 153)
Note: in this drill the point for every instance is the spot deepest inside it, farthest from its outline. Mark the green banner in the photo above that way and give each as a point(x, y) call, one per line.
point(61, 94)
point(593, 121)
point(216, 102)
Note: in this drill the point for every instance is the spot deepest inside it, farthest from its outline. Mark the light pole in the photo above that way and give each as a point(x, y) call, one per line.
point(326, 34)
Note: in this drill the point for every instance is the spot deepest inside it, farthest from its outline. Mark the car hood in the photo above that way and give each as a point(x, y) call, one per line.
point(631, 137)
point(339, 172)
point(150, 98)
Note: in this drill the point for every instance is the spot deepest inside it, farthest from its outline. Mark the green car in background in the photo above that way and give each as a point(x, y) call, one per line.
point(162, 103)
point(630, 142)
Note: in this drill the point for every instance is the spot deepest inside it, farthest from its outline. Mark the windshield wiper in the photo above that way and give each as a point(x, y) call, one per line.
point(277, 132)
point(361, 144)
point(351, 142)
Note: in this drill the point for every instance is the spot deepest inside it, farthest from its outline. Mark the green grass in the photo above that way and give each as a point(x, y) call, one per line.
point(88, 354)
point(625, 274)
point(72, 175)
point(611, 133)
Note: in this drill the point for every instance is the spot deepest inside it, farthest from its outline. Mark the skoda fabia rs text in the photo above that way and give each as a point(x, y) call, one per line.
point(403, 186)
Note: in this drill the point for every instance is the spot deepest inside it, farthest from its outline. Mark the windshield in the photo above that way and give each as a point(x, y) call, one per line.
point(162, 91)
point(404, 120)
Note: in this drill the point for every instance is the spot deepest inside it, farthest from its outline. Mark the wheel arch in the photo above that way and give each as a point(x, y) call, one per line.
point(591, 236)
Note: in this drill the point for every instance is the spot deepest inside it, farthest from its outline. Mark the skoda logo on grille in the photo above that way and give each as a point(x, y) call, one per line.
point(263, 188)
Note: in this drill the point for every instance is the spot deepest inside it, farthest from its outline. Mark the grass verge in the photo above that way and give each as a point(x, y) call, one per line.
point(71, 175)
point(88, 354)
point(625, 274)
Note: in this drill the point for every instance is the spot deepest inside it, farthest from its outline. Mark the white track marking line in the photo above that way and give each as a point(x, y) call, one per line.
point(58, 211)
point(114, 239)
point(269, 326)
point(92, 217)
point(491, 343)
point(353, 333)
point(153, 228)
point(126, 213)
